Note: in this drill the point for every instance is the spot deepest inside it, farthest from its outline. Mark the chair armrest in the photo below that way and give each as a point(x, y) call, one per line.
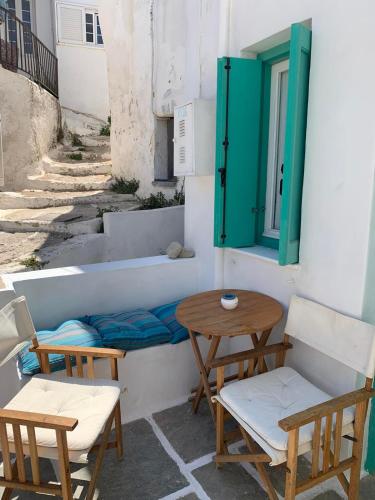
point(327, 408)
point(37, 420)
point(251, 354)
point(96, 352)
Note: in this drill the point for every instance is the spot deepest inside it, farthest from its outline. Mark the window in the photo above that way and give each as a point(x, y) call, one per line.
point(93, 30)
point(276, 140)
point(26, 19)
point(78, 25)
point(261, 125)
point(12, 28)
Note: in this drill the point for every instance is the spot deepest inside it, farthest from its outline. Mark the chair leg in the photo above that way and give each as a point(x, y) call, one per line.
point(7, 494)
point(64, 467)
point(220, 445)
point(99, 458)
point(355, 472)
point(119, 443)
point(260, 467)
point(291, 474)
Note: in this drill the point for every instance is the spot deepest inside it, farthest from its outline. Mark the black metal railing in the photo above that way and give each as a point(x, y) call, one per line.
point(23, 52)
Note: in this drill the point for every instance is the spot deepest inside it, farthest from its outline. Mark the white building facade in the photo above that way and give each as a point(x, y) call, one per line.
point(170, 50)
point(83, 83)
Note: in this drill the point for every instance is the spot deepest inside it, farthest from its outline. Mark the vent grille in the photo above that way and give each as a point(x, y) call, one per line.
point(181, 128)
point(182, 154)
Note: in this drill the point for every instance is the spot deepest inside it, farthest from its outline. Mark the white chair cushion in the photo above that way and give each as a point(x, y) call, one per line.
point(261, 401)
point(89, 400)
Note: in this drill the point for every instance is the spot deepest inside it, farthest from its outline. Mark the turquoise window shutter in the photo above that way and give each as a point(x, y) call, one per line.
point(294, 151)
point(237, 150)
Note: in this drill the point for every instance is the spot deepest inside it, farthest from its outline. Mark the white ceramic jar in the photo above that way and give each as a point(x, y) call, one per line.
point(229, 301)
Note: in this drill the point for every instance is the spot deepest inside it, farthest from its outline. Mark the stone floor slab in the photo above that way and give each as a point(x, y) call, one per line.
point(146, 472)
point(191, 435)
point(230, 482)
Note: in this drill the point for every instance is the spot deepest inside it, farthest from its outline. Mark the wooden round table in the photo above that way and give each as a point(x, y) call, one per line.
point(255, 315)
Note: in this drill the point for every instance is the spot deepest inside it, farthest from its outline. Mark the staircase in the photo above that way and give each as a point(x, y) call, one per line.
point(61, 205)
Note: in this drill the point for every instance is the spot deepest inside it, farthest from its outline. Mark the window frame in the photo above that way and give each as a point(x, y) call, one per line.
point(84, 11)
point(269, 58)
point(95, 24)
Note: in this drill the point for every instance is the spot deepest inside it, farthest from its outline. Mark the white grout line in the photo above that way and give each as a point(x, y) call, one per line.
point(195, 487)
point(180, 493)
point(200, 462)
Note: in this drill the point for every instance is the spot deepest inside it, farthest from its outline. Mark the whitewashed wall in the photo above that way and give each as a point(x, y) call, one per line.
point(83, 83)
point(339, 149)
point(142, 233)
point(83, 80)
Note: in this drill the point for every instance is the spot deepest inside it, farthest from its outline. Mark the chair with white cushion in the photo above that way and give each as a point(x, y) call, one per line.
point(286, 415)
point(55, 417)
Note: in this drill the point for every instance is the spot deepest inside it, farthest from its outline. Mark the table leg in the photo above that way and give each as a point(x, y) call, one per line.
point(204, 385)
point(261, 342)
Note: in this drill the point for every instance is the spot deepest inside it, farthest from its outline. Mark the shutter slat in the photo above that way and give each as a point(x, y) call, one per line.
point(239, 120)
point(294, 150)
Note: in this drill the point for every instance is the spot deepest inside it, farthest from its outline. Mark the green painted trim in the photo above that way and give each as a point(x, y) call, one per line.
point(276, 54)
point(268, 58)
point(368, 314)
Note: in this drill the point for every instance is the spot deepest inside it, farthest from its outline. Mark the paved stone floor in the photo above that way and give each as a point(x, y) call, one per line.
point(169, 456)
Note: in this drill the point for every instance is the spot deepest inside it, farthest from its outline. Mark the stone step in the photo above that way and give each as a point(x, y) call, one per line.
point(65, 153)
point(58, 182)
point(45, 199)
point(96, 140)
point(78, 169)
point(70, 220)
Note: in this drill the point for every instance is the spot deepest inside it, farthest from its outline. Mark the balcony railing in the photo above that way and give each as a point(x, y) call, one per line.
point(23, 52)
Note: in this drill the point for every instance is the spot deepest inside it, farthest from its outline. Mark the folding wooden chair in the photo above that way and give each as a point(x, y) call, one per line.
point(286, 415)
point(56, 418)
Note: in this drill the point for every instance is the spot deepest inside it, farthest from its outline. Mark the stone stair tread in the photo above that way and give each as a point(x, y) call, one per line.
point(67, 213)
point(45, 199)
point(68, 178)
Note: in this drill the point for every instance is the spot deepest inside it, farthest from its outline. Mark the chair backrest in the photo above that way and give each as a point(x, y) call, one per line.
point(16, 328)
point(345, 339)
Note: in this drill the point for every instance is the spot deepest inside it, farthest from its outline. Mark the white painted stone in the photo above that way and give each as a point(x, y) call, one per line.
point(142, 233)
point(30, 122)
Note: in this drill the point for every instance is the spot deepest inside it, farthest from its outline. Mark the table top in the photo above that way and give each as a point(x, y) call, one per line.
point(203, 313)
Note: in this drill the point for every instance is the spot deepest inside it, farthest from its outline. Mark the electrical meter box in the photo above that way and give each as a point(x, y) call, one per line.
point(194, 138)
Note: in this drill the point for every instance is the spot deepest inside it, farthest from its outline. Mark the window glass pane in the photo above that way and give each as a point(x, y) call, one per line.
point(26, 5)
point(26, 17)
point(99, 37)
point(89, 28)
point(11, 5)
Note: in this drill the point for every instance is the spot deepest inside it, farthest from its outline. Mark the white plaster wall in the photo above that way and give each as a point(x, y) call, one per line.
point(30, 122)
point(55, 295)
point(83, 82)
point(126, 26)
point(148, 75)
point(45, 23)
point(339, 162)
point(142, 233)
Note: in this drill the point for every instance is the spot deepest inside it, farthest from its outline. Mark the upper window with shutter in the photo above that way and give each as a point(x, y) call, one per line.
point(78, 25)
point(261, 128)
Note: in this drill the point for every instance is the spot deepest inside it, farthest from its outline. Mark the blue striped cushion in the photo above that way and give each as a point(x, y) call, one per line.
point(167, 314)
point(130, 330)
point(72, 332)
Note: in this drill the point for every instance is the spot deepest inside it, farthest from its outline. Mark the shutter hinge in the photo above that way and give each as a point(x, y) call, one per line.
point(226, 143)
point(222, 171)
point(256, 210)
